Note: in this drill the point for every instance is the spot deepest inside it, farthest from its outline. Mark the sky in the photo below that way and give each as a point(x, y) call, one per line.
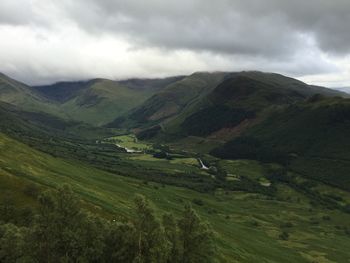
point(44, 41)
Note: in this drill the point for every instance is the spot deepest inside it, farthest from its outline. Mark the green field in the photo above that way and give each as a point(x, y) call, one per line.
point(129, 141)
point(247, 225)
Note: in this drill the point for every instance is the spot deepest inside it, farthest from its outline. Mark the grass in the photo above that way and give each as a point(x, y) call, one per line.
point(247, 168)
point(171, 166)
point(247, 225)
point(129, 141)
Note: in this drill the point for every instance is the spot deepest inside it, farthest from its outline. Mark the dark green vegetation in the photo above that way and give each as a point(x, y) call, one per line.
point(311, 138)
point(61, 231)
point(239, 101)
point(211, 119)
point(283, 196)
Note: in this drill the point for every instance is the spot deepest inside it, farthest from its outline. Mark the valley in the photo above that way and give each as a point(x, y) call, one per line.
point(263, 158)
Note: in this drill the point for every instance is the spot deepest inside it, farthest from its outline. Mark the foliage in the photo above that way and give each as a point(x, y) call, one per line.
point(64, 232)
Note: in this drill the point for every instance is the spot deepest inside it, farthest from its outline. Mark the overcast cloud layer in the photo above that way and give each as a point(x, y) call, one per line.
point(43, 41)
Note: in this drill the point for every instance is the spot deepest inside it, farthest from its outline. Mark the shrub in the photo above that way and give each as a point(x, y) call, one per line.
point(198, 202)
point(284, 236)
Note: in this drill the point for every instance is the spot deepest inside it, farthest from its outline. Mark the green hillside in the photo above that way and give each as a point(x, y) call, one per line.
point(21, 95)
point(310, 137)
point(171, 100)
point(96, 102)
point(238, 102)
point(26, 126)
point(140, 103)
point(99, 101)
point(103, 101)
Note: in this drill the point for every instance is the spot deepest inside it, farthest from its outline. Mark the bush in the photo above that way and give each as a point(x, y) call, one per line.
point(326, 218)
point(284, 236)
point(160, 155)
point(198, 202)
point(287, 225)
point(255, 223)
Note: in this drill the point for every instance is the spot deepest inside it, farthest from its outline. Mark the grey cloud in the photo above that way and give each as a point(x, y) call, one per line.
point(255, 27)
point(292, 37)
point(15, 13)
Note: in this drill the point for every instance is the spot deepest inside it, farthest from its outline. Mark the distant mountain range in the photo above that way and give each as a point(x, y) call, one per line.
point(343, 89)
point(145, 101)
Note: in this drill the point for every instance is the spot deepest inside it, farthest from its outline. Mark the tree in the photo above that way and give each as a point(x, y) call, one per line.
point(62, 232)
point(196, 238)
point(172, 235)
point(120, 243)
point(11, 243)
point(7, 209)
point(152, 247)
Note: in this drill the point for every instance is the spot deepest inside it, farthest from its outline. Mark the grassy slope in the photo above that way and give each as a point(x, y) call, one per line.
point(23, 124)
point(238, 239)
point(21, 95)
point(95, 102)
point(100, 101)
point(103, 101)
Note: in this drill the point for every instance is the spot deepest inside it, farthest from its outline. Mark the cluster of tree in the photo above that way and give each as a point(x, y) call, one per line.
point(308, 188)
point(61, 231)
point(251, 148)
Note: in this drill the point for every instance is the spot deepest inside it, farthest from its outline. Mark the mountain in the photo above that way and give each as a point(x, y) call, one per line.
point(62, 91)
point(236, 102)
point(40, 128)
point(99, 101)
point(21, 95)
point(144, 103)
point(171, 100)
point(310, 137)
point(96, 101)
point(343, 89)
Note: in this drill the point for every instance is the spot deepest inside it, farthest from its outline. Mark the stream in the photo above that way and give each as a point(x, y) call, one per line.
point(203, 165)
point(129, 150)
